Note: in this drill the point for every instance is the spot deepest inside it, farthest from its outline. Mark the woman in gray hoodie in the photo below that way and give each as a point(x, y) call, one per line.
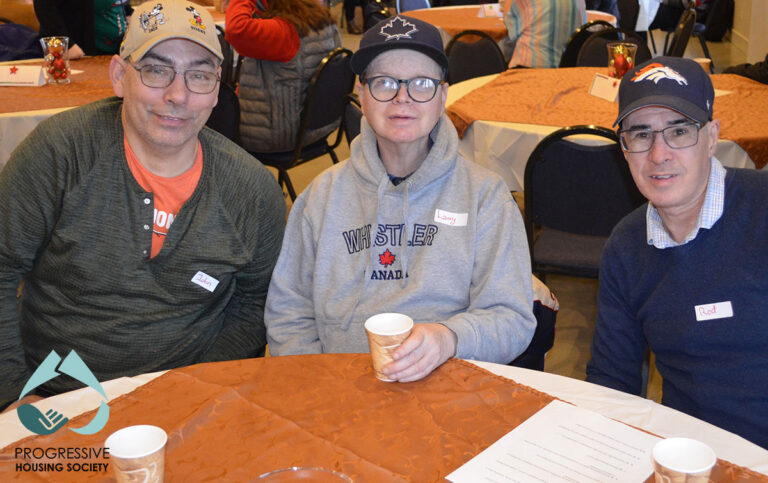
point(404, 225)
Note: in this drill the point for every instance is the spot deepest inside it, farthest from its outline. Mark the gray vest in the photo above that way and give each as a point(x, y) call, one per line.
point(272, 95)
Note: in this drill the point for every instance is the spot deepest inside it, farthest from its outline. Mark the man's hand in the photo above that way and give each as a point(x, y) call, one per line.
point(75, 52)
point(428, 346)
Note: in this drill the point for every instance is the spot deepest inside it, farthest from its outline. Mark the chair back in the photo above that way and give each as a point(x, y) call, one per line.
point(719, 20)
point(227, 65)
point(577, 188)
point(629, 11)
point(594, 52)
point(326, 97)
point(469, 59)
point(682, 32)
point(571, 52)
point(353, 116)
point(225, 117)
point(407, 5)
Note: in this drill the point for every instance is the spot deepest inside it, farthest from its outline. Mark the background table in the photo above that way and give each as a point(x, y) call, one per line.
point(452, 20)
point(23, 108)
point(501, 118)
point(233, 420)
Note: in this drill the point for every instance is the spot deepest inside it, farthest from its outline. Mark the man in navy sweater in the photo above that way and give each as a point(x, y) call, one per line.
point(687, 274)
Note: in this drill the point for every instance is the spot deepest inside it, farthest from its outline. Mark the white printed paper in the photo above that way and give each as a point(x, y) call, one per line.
point(563, 443)
point(452, 219)
point(719, 310)
point(605, 87)
point(206, 281)
point(21, 75)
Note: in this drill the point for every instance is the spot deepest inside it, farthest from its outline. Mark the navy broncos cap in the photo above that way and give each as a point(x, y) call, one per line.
point(673, 82)
point(399, 32)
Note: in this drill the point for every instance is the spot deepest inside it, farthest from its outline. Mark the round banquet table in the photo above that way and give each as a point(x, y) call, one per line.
point(454, 19)
point(502, 117)
point(233, 420)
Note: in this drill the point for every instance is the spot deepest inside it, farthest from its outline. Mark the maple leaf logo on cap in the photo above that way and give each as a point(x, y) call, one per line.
point(655, 72)
point(387, 258)
point(398, 28)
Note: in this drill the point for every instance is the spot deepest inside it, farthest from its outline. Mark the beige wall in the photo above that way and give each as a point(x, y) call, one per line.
point(749, 39)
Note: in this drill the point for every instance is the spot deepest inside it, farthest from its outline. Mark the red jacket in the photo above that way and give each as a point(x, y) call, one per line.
point(272, 39)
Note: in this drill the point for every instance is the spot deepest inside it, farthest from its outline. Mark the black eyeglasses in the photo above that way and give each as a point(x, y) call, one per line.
point(197, 81)
point(384, 88)
point(678, 136)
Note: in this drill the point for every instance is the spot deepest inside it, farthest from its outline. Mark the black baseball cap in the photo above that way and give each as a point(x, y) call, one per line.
point(673, 82)
point(399, 32)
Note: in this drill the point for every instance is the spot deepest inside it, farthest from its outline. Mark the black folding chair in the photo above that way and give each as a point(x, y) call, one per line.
point(468, 59)
point(574, 195)
point(682, 33)
point(227, 69)
point(225, 117)
point(324, 105)
point(594, 52)
point(353, 116)
point(571, 52)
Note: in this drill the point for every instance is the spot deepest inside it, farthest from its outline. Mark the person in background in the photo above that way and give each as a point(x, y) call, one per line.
point(94, 27)
point(686, 275)
point(349, 14)
point(144, 240)
point(608, 6)
point(404, 225)
point(540, 29)
point(283, 43)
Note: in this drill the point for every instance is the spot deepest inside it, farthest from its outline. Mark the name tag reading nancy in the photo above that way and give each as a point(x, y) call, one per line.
point(719, 310)
point(452, 219)
point(206, 281)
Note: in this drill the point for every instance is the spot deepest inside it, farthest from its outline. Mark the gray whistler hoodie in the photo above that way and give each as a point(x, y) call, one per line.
point(446, 245)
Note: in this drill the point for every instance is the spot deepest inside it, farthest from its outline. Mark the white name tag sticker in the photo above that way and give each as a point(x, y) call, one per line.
point(206, 281)
point(719, 310)
point(452, 219)
point(605, 87)
point(21, 75)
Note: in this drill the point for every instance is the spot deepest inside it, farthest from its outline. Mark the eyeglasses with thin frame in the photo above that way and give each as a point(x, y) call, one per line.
point(678, 136)
point(384, 88)
point(197, 81)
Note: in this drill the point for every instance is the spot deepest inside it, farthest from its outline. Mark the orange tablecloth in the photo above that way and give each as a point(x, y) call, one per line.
point(234, 420)
point(93, 84)
point(454, 20)
point(560, 97)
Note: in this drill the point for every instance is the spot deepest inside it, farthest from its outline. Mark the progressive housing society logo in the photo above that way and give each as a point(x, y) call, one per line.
point(52, 420)
point(50, 458)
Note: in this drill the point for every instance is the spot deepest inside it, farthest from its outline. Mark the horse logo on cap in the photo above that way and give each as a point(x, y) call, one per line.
point(398, 28)
point(655, 72)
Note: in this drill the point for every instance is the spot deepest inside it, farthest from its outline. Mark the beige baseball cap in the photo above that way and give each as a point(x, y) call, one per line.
point(158, 20)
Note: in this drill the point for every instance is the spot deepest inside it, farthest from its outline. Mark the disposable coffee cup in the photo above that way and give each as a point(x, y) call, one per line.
point(704, 63)
point(137, 453)
point(385, 334)
point(682, 460)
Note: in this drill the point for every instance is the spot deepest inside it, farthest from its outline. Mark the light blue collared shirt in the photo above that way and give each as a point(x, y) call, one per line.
point(711, 211)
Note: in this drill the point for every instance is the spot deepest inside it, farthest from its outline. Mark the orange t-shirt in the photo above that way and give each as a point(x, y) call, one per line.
point(170, 193)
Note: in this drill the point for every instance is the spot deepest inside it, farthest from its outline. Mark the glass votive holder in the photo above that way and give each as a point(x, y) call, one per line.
point(621, 58)
point(56, 59)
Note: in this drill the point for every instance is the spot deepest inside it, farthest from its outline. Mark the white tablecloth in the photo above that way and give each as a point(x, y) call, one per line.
point(639, 412)
point(504, 147)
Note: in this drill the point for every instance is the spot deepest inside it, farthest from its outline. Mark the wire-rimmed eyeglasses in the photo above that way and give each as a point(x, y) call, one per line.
point(384, 88)
point(197, 81)
point(678, 136)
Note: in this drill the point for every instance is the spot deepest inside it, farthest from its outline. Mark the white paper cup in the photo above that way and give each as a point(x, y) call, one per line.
point(704, 63)
point(682, 460)
point(137, 453)
point(385, 334)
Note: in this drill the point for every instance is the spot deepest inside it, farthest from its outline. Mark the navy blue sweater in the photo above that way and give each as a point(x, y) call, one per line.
point(715, 370)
